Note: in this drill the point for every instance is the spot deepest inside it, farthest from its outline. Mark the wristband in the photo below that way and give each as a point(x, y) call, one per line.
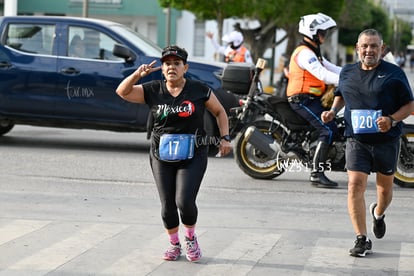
point(334, 110)
point(393, 122)
point(226, 138)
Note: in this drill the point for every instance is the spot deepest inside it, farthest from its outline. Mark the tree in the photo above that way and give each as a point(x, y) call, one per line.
point(359, 15)
point(401, 36)
point(362, 14)
point(270, 14)
point(208, 10)
point(352, 16)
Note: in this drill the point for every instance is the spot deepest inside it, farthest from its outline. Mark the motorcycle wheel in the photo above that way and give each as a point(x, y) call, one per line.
point(404, 176)
point(253, 162)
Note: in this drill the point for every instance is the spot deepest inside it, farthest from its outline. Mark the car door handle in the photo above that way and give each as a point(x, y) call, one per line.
point(5, 64)
point(70, 71)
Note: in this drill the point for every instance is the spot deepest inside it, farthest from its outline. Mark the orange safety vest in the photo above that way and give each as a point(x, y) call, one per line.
point(237, 55)
point(301, 81)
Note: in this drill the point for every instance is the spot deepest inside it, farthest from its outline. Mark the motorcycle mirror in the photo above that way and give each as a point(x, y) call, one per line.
point(261, 63)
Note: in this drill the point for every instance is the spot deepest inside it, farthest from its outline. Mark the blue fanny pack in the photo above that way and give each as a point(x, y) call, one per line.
point(176, 147)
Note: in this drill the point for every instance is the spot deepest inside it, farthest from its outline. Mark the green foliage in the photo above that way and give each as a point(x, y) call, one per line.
point(355, 14)
point(405, 36)
point(359, 15)
point(271, 14)
point(211, 9)
point(352, 16)
point(381, 22)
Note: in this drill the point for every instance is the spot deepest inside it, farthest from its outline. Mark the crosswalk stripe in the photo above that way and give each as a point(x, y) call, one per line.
point(237, 258)
point(18, 228)
point(406, 263)
point(323, 256)
point(59, 253)
point(240, 257)
point(142, 260)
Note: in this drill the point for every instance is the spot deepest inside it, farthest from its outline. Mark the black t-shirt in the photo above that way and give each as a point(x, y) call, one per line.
point(182, 114)
point(384, 88)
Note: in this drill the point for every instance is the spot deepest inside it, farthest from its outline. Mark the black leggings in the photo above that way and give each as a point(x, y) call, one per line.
point(178, 184)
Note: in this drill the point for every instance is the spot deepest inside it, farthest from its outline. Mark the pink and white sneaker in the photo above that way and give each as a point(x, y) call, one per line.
point(193, 250)
point(173, 252)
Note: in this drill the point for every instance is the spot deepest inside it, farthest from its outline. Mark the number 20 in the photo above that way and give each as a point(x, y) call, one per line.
point(365, 122)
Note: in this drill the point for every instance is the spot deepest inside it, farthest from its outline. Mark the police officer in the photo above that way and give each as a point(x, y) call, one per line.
point(234, 50)
point(309, 72)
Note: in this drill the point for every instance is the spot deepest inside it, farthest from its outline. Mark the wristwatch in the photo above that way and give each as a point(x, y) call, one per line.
point(226, 138)
point(393, 122)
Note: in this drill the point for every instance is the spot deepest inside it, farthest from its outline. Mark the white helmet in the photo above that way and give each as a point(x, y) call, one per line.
point(234, 38)
point(309, 25)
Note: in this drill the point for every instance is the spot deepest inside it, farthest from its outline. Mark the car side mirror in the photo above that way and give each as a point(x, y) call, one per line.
point(123, 52)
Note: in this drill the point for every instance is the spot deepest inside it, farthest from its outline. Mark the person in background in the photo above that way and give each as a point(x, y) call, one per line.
point(388, 56)
point(91, 40)
point(400, 59)
point(177, 106)
point(309, 72)
point(76, 47)
point(234, 50)
point(281, 84)
point(377, 97)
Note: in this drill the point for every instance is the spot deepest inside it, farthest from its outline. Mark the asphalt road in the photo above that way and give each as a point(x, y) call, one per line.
point(80, 202)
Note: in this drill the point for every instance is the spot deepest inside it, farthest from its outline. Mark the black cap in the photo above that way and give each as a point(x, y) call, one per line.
point(174, 51)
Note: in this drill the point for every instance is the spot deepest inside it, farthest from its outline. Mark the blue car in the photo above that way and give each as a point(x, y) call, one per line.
point(63, 72)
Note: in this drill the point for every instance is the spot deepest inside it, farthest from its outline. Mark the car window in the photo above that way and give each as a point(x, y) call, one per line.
point(148, 47)
point(31, 38)
point(90, 43)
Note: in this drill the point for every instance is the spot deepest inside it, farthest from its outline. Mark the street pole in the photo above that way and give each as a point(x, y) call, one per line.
point(168, 26)
point(85, 8)
point(10, 7)
point(272, 60)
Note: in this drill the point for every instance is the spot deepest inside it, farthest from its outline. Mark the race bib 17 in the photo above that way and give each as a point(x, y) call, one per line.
point(175, 147)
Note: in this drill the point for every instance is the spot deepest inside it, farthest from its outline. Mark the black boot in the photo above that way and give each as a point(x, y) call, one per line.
point(318, 177)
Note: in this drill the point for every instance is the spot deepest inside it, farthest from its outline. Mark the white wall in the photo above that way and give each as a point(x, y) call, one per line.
point(185, 31)
point(10, 7)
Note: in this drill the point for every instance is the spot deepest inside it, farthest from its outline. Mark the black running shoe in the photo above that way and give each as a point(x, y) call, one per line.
point(378, 225)
point(363, 246)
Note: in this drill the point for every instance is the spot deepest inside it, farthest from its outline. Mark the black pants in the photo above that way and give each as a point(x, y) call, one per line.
point(310, 108)
point(178, 184)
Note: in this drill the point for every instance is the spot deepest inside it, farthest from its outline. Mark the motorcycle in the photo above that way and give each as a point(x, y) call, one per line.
point(240, 83)
point(283, 141)
point(404, 176)
point(271, 138)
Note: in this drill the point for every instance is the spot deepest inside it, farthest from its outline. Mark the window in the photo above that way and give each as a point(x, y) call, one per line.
point(90, 43)
point(31, 38)
point(115, 2)
point(199, 38)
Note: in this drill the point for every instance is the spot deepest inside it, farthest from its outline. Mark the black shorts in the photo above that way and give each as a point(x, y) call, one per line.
point(369, 158)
